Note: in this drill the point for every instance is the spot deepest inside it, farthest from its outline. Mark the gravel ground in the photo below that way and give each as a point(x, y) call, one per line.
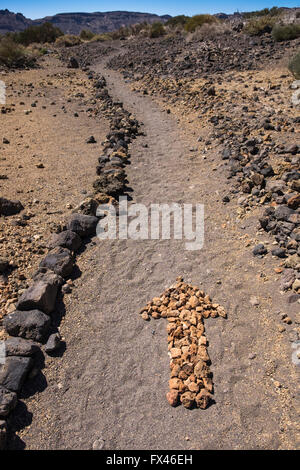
point(108, 388)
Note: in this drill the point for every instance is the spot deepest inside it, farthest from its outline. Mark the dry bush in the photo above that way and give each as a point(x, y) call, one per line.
point(197, 21)
point(46, 33)
point(157, 30)
point(36, 50)
point(209, 31)
point(68, 40)
point(294, 65)
point(101, 37)
point(177, 21)
point(274, 11)
point(125, 32)
point(260, 25)
point(86, 35)
point(12, 54)
point(286, 32)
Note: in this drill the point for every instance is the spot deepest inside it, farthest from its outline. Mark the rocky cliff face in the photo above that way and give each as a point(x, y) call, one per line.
point(73, 23)
point(13, 21)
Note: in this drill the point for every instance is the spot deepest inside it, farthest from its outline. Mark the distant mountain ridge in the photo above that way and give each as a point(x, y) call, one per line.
point(73, 23)
point(99, 22)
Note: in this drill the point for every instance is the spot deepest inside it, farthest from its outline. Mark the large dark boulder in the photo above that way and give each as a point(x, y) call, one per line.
point(41, 295)
point(8, 207)
point(259, 250)
point(283, 212)
point(66, 239)
point(73, 63)
point(31, 324)
point(14, 371)
point(109, 183)
point(16, 346)
point(53, 343)
point(60, 261)
point(279, 252)
point(8, 401)
point(83, 225)
point(4, 264)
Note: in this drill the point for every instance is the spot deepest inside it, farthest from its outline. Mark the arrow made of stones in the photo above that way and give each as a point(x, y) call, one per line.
point(185, 307)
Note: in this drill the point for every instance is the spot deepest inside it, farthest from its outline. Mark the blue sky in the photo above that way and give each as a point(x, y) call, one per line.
point(37, 9)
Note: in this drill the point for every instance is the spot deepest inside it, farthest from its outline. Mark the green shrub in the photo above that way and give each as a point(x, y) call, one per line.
point(286, 32)
point(86, 35)
point(12, 54)
point(38, 34)
point(157, 30)
point(197, 21)
point(294, 65)
point(258, 26)
point(179, 20)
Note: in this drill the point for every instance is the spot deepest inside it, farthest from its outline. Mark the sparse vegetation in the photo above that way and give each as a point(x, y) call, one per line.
point(100, 38)
point(139, 29)
point(286, 32)
point(157, 30)
point(294, 65)
point(43, 50)
point(209, 31)
point(68, 40)
point(12, 54)
point(37, 34)
point(257, 26)
point(86, 35)
point(197, 21)
point(176, 21)
point(274, 11)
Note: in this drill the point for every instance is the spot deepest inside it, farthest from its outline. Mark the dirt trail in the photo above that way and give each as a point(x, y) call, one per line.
point(109, 387)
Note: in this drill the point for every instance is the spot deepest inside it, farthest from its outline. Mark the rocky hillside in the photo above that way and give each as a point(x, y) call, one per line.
point(73, 23)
